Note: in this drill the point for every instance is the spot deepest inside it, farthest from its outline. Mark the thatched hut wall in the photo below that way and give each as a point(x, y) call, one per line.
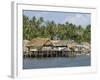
point(25, 48)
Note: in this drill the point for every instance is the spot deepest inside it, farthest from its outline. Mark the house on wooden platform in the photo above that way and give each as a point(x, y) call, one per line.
point(72, 45)
point(25, 49)
point(37, 44)
point(59, 45)
point(86, 47)
point(65, 45)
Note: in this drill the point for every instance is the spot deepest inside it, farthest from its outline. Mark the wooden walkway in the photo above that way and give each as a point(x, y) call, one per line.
point(42, 54)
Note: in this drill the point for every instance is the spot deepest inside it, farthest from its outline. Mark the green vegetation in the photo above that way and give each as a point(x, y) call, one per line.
point(37, 27)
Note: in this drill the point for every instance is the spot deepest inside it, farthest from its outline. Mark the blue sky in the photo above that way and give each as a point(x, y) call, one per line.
point(82, 19)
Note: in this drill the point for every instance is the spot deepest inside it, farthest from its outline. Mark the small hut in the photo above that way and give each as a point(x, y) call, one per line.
point(59, 44)
point(86, 47)
point(72, 45)
point(25, 43)
point(39, 44)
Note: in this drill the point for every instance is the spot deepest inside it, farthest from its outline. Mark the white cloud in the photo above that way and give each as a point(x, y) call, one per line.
point(79, 19)
point(60, 17)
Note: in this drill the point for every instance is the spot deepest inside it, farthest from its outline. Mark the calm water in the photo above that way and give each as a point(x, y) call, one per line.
point(36, 63)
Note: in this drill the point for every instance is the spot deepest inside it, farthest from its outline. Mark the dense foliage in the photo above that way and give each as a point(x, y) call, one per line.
point(37, 27)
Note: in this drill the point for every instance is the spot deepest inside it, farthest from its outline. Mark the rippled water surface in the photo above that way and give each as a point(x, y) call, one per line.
point(37, 63)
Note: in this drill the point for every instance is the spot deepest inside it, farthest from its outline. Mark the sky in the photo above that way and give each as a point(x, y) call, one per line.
point(82, 19)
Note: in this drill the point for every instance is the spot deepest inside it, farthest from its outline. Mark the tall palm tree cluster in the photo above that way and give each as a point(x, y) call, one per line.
point(38, 27)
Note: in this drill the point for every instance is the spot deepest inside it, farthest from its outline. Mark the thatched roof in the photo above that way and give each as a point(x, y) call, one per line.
point(71, 43)
point(59, 42)
point(39, 42)
point(85, 43)
point(67, 43)
point(25, 42)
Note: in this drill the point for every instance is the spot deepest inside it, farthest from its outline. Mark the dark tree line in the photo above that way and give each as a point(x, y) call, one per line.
point(37, 27)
